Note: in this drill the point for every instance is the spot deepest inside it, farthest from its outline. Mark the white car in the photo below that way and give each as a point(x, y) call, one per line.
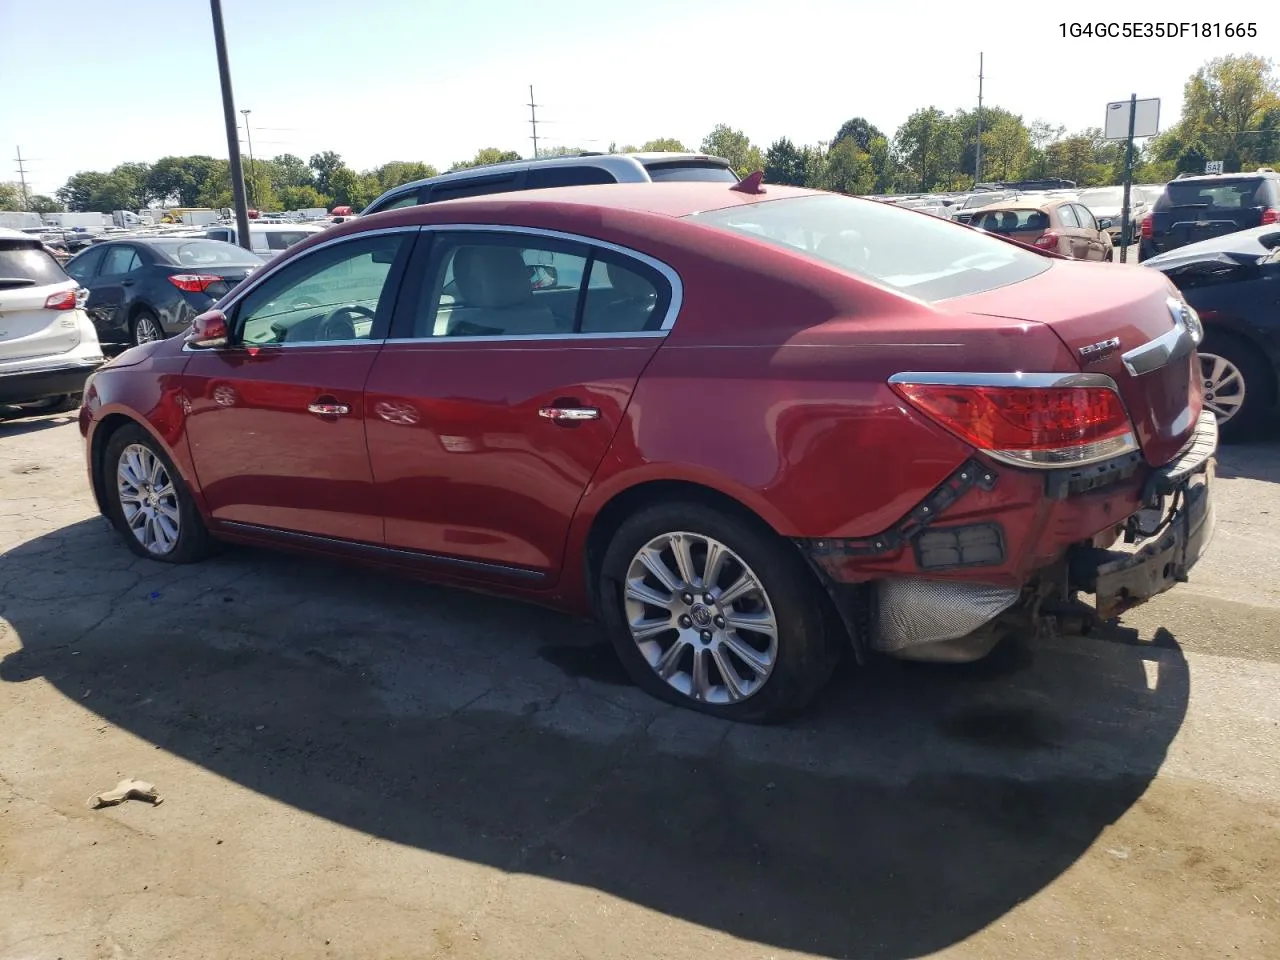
point(266, 239)
point(48, 346)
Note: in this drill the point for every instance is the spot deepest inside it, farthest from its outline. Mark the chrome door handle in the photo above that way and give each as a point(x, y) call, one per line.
point(329, 409)
point(569, 414)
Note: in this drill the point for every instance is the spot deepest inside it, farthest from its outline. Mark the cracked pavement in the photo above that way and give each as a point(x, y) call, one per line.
point(360, 766)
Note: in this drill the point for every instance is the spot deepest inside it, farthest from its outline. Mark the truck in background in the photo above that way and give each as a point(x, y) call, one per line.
point(19, 220)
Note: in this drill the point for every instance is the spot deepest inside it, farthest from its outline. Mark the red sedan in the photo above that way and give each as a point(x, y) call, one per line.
point(747, 427)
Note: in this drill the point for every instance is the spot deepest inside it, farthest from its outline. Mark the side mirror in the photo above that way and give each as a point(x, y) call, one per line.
point(209, 331)
point(1106, 223)
point(1270, 240)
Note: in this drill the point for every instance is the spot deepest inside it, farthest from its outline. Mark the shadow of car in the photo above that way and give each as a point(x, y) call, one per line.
point(911, 809)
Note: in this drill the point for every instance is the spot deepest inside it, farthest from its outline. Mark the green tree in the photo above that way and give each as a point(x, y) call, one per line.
point(486, 156)
point(1226, 107)
point(862, 130)
point(10, 196)
point(305, 197)
point(734, 146)
point(290, 171)
point(396, 172)
point(356, 190)
point(928, 149)
point(42, 204)
point(1072, 158)
point(661, 145)
point(178, 180)
point(784, 163)
point(849, 168)
point(323, 166)
point(1006, 145)
point(94, 191)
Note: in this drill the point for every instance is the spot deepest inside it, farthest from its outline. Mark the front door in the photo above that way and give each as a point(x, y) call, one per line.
point(110, 291)
point(509, 371)
point(276, 419)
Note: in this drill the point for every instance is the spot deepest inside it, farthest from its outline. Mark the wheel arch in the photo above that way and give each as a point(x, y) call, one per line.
point(110, 424)
point(1244, 338)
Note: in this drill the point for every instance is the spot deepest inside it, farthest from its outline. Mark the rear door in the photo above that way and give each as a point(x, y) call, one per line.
point(512, 361)
point(28, 278)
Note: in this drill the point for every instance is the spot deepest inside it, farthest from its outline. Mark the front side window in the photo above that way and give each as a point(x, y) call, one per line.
point(1085, 217)
point(508, 285)
point(409, 199)
point(332, 294)
point(924, 257)
point(1067, 216)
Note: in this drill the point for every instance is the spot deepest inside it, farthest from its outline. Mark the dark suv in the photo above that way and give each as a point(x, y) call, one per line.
point(587, 168)
point(1200, 208)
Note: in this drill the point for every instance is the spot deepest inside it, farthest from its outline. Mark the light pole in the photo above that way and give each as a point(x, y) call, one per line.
point(229, 116)
point(253, 168)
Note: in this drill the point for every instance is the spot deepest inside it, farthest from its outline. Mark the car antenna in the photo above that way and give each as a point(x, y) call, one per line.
point(750, 183)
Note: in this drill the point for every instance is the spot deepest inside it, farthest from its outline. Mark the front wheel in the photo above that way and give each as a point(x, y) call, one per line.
point(1238, 385)
point(715, 613)
point(148, 501)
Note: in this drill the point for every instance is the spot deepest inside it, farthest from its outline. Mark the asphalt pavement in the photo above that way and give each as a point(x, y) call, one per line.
point(359, 766)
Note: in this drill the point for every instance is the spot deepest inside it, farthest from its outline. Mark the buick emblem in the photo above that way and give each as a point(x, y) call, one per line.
point(1096, 352)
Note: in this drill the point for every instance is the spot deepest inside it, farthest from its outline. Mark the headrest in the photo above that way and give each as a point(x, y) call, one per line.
point(629, 285)
point(491, 276)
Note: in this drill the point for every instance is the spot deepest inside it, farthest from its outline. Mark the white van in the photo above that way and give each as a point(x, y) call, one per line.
point(266, 239)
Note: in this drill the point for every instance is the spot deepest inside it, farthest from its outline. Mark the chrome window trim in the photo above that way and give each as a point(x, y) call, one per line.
point(668, 273)
point(1169, 346)
point(1008, 379)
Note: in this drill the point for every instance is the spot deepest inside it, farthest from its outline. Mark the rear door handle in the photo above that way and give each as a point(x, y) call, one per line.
point(569, 414)
point(328, 409)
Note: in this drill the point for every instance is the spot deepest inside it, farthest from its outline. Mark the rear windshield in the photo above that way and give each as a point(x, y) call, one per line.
point(24, 264)
point(923, 257)
point(1218, 195)
point(1110, 197)
point(658, 172)
point(206, 252)
point(1010, 221)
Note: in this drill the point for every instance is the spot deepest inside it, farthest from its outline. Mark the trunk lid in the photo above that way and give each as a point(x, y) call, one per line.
point(1087, 305)
point(28, 277)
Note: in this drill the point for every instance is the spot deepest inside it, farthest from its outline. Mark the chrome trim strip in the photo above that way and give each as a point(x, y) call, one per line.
point(1169, 346)
point(1008, 379)
point(526, 337)
point(377, 550)
point(668, 272)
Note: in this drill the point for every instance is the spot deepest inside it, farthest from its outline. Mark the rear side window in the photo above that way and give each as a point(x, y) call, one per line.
point(923, 257)
point(567, 176)
point(714, 172)
point(472, 188)
point(25, 264)
point(1011, 221)
point(284, 239)
point(1224, 196)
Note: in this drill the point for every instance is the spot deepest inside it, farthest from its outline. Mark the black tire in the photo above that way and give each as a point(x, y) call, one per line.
point(1259, 383)
point(193, 542)
point(140, 320)
point(808, 645)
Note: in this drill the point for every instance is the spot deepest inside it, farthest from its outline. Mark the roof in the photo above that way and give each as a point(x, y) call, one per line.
point(1022, 203)
point(1241, 175)
point(675, 198)
point(8, 234)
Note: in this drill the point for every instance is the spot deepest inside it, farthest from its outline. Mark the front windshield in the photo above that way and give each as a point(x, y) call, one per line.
point(924, 257)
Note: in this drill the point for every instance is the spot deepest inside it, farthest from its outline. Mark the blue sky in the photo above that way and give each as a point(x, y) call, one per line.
point(382, 80)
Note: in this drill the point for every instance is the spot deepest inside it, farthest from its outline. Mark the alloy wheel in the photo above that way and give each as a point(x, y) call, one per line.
point(148, 499)
point(145, 330)
point(1224, 386)
point(701, 618)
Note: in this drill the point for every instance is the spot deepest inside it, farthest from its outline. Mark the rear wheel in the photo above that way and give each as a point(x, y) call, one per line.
point(146, 328)
point(712, 612)
point(148, 502)
point(1238, 386)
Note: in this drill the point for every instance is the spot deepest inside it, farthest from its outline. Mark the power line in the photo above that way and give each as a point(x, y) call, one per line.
point(977, 162)
point(22, 175)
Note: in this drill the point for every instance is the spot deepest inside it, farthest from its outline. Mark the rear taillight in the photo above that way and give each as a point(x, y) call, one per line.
point(194, 282)
point(1146, 227)
point(1030, 420)
point(66, 300)
point(1270, 215)
point(1047, 241)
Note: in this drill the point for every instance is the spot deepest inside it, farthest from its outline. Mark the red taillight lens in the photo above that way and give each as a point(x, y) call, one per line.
point(1146, 227)
point(1270, 215)
point(1047, 241)
point(66, 300)
point(194, 282)
point(1028, 425)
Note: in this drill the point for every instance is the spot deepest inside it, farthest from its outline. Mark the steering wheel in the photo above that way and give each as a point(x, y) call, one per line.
point(339, 325)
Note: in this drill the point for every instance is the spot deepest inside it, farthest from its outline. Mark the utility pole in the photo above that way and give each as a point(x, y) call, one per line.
point(253, 168)
point(533, 119)
point(22, 175)
point(977, 162)
point(1125, 224)
point(233, 134)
